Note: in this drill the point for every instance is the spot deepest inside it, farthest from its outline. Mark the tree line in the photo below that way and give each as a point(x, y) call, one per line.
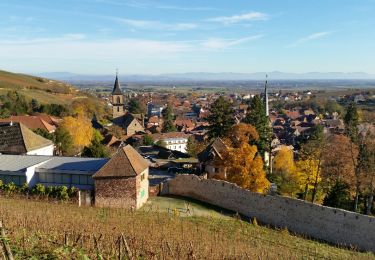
point(335, 170)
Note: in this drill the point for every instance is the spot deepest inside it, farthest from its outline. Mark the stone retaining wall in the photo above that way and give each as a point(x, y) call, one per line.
point(333, 225)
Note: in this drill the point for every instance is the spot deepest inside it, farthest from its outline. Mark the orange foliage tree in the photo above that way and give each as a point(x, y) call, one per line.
point(243, 164)
point(337, 162)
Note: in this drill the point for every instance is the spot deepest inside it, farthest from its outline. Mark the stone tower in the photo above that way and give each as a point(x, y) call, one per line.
point(117, 99)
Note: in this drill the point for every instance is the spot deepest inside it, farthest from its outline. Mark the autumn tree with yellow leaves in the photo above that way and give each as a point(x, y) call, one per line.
point(285, 174)
point(80, 129)
point(243, 164)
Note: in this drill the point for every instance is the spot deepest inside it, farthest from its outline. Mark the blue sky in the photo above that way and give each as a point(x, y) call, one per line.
point(170, 36)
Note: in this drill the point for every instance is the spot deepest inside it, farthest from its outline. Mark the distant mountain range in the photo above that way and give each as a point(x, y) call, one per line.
point(204, 76)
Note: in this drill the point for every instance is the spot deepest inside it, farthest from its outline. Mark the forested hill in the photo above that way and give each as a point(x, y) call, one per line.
point(43, 89)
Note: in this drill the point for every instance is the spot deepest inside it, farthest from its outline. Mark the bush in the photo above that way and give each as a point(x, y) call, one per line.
point(39, 189)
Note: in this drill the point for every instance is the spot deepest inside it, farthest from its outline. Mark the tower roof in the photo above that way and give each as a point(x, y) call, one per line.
point(116, 88)
point(127, 162)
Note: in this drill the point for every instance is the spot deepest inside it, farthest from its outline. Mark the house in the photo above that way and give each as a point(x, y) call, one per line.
point(174, 140)
point(32, 122)
point(16, 138)
point(209, 157)
point(132, 125)
point(123, 181)
point(50, 170)
point(184, 125)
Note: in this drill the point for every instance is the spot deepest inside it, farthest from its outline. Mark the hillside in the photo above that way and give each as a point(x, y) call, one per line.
point(42, 89)
point(63, 231)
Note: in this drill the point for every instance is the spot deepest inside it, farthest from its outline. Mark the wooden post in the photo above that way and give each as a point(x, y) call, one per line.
point(79, 198)
point(8, 251)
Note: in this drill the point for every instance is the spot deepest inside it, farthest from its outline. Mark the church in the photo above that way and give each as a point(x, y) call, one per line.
point(131, 123)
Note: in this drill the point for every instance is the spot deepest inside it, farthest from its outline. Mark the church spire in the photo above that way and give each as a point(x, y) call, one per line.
point(116, 87)
point(266, 97)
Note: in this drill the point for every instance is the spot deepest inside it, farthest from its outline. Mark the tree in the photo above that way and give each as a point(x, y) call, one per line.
point(168, 118)
point(45, 134)
point(95, 150)
point(135, 107)
point(63, 141)
point(192, 147)
point(35, 106)
point(243, 164)
point(369, 169)
point(351, 120)
point(257, 117)
point(309, 175)
point(338, 196)
point(80, 129)
point(221, 118)
point(337, 165)
point(311, 155)
point(148, 140)
point(285, 173)
point(161, 143)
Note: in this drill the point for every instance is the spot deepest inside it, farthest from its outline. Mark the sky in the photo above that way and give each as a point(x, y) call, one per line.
point(177, 36)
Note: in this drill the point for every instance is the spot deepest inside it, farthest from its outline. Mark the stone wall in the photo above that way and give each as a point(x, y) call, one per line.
point(335, 226)
point(116, 192)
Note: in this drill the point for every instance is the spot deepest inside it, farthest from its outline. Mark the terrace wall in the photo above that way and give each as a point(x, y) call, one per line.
point(333, 225)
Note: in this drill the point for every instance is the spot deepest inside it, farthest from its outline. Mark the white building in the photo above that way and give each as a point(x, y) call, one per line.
point(50, 170)
point(175, 141)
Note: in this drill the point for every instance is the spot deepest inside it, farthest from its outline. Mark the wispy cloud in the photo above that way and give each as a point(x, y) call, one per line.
point(79, 46)
point(247, 17)
point(309, 38)
point(217, 43)
point(155, 25)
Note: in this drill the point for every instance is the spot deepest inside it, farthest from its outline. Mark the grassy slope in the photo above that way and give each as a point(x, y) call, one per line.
point(44, 90)
point(40, 229)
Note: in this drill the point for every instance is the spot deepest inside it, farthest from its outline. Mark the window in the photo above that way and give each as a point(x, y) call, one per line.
point(118, 100)
point(142, 176)
point(118, 109)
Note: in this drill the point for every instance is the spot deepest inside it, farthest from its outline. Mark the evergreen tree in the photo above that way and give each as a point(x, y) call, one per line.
point(221, 118)
point(35, 106)
point(351, 120)
point(257, 117)
point(168, 118)
point(338, 196)
point(192, 147)
point(135, 107)
point(147, 140)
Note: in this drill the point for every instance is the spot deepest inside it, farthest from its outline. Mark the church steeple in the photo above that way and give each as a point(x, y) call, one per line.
point(117, 100)
point(266, 97)
point(116, 88)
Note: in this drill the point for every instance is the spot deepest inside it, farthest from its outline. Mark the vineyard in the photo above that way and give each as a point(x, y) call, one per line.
point(64, 231)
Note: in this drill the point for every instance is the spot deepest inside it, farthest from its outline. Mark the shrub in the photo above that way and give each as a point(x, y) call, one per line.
point(39, 189)
point(10, 188)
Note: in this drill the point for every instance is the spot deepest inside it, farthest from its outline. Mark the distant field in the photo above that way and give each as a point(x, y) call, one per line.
point(62, 231)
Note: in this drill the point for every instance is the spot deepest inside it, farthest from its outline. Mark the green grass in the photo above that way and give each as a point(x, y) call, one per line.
point(64, 231)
